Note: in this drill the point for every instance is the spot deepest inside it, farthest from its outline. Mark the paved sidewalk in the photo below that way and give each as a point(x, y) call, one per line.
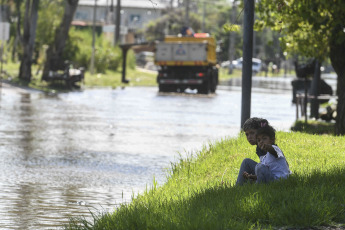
point(281, 83)
point(264, 82)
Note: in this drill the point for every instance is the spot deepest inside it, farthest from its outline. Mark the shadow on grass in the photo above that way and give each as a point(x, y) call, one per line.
point(300, 202)
point(314, 127)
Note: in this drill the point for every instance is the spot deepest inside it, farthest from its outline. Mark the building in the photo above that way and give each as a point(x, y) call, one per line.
point(135, 14)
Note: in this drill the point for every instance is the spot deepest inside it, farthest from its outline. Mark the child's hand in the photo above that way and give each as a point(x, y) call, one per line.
point(266, 147)
point(246, 175)
point(249, 176)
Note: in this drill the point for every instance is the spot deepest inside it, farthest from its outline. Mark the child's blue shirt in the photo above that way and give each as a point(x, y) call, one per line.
point(278, 166)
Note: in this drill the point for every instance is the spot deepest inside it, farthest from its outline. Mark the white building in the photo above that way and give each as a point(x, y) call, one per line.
point(135, 14)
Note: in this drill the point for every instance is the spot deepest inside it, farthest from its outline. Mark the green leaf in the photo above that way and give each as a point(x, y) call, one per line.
point(231, 28)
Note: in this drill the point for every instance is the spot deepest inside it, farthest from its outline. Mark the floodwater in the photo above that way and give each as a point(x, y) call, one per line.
point(65, 155)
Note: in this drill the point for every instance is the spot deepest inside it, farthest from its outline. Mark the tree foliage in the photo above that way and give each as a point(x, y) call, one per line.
point(79, 51)
point(54, 58)
point(313, 28)
point(306, 26)
point(49, 18)
point(171, 23)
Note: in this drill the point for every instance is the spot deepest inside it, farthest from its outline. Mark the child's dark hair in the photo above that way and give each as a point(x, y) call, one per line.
point(268, 130)
point(254, 123)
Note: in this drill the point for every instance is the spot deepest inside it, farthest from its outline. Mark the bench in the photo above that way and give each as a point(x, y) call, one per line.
point(301, 102)
point(68, 74)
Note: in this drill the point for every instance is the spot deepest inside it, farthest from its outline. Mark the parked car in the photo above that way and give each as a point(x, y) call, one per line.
point(144, 57)
point(256, 64)
point(225, 64)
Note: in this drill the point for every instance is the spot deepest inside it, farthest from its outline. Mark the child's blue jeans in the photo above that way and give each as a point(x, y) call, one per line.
point(261, 171)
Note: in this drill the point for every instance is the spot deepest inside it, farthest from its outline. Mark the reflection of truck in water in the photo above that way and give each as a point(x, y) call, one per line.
point(187, 62)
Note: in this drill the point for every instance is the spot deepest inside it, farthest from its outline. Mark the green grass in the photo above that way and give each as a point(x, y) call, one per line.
point(200, 191)
point(109, 79)
point(224, 74)
point(113, 78)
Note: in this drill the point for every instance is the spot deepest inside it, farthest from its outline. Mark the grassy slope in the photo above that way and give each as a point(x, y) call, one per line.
point(200, 193)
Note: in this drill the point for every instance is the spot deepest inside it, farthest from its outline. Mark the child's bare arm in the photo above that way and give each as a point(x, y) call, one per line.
point(269, 148)
point(272, 151)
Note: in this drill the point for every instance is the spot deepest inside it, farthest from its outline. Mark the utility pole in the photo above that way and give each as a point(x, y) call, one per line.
point(187, 14)
point(117, 23)
point(248, 23)
point(92, 65)
point(203, 16)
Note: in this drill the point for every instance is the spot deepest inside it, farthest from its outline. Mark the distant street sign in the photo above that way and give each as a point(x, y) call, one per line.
point(4, 31)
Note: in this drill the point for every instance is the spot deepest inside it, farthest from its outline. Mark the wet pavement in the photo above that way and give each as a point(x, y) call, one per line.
point(63, 155)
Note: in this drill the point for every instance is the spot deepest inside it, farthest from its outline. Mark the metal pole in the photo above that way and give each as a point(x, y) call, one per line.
point(2, 49)
point(187, 14)
point(124, 64)
point(203, 16)
point(92, 66)
point(248, 23)
point(305, 100)
point(118, 23)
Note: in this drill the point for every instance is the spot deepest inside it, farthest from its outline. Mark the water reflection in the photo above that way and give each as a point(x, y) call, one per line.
point(63, 155)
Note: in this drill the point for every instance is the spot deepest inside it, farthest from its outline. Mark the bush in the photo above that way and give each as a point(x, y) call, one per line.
point(107, 57)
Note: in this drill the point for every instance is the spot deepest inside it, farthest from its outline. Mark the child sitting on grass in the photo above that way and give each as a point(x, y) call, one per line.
point(250, 127)
point(273, 164)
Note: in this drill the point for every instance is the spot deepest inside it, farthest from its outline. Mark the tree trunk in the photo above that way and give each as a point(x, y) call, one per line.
point(337, 51)
point(55, 51)
point(18, 38)
point(30, 24)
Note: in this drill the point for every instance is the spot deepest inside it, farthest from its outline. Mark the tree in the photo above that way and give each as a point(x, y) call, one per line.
point(171, 23)
point(313, 28)
point(28, 40)
point(55, 51)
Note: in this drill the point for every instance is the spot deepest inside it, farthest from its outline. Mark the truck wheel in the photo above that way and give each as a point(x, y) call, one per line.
point(167, 88)
point(163, 88)
point(214, 81)
point(204, 88)
point(214, 85)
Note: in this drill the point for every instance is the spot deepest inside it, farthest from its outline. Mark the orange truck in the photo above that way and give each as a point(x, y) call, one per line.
point(187, 62)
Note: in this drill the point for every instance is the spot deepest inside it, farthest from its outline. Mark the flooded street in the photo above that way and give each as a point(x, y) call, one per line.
point(63, 155)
